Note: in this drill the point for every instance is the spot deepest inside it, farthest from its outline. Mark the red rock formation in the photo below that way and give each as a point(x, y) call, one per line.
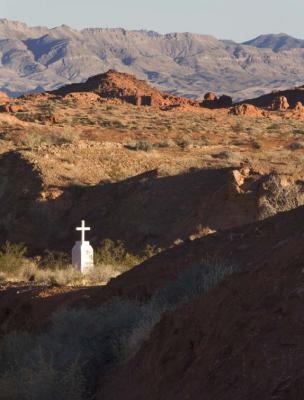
point(293, 96)
point(246, 109)
point(280, 103)
point(113, 84)
point(123, 87)
point(3, 97)
point(299, 106)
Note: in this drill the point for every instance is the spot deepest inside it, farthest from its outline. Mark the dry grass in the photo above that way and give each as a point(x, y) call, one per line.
point(69, 276)
point(111, 260)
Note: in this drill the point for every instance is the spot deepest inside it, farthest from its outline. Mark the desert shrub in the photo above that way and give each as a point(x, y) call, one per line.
point(63, 363)
point(115, 253)
point(278, 197)
point(296, 146)
point(162, 145)
point(274, 126)
point(12, 257)
point(192, 282)
point(237, 128)
point(69, 276)
point(256, 145)
point(54, 268)
point(35, 138)
point(56, 364)
point(41, 380)
point(183, 142)
point(151, 251)
point(108, 123)
point(298, 131)
point(142, 145)
point(55, 260)
point(229, 156)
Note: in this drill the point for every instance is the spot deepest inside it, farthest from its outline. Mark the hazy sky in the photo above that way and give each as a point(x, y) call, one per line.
point(226, 19)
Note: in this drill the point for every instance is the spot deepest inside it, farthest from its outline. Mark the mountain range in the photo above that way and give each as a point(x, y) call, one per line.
point(34, 59)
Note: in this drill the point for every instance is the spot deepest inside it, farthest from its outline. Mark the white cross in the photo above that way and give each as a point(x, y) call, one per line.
point(82, 228)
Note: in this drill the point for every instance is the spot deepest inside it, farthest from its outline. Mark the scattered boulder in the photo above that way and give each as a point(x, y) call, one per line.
point(299, 106)
point(211, 101)
point(4, 108)
point(210, 96)
point(14, 108)
point(11, 108)
point(280, 103)
point(225, 101)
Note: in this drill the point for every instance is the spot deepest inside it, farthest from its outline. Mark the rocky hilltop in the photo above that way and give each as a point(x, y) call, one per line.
point(37, 59)
point(123, 87)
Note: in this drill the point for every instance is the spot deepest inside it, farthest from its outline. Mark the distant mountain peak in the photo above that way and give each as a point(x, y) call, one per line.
point(276, 42)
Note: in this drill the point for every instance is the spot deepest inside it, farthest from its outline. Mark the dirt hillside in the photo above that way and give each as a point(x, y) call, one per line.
point(241, 340)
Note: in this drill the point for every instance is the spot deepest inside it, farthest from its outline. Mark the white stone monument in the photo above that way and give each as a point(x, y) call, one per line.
point(83, 253)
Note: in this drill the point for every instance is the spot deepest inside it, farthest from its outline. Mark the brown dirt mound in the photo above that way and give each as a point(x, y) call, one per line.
point(242, 340)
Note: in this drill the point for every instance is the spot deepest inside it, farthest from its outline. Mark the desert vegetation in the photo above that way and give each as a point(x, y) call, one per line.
point(53, 268)
point(64, 362)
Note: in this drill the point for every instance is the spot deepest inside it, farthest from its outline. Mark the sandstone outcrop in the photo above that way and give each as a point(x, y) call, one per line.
point(246, 109)
point(279, 100)
point(4, 97)
point(299, 106)
point(280, 103)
